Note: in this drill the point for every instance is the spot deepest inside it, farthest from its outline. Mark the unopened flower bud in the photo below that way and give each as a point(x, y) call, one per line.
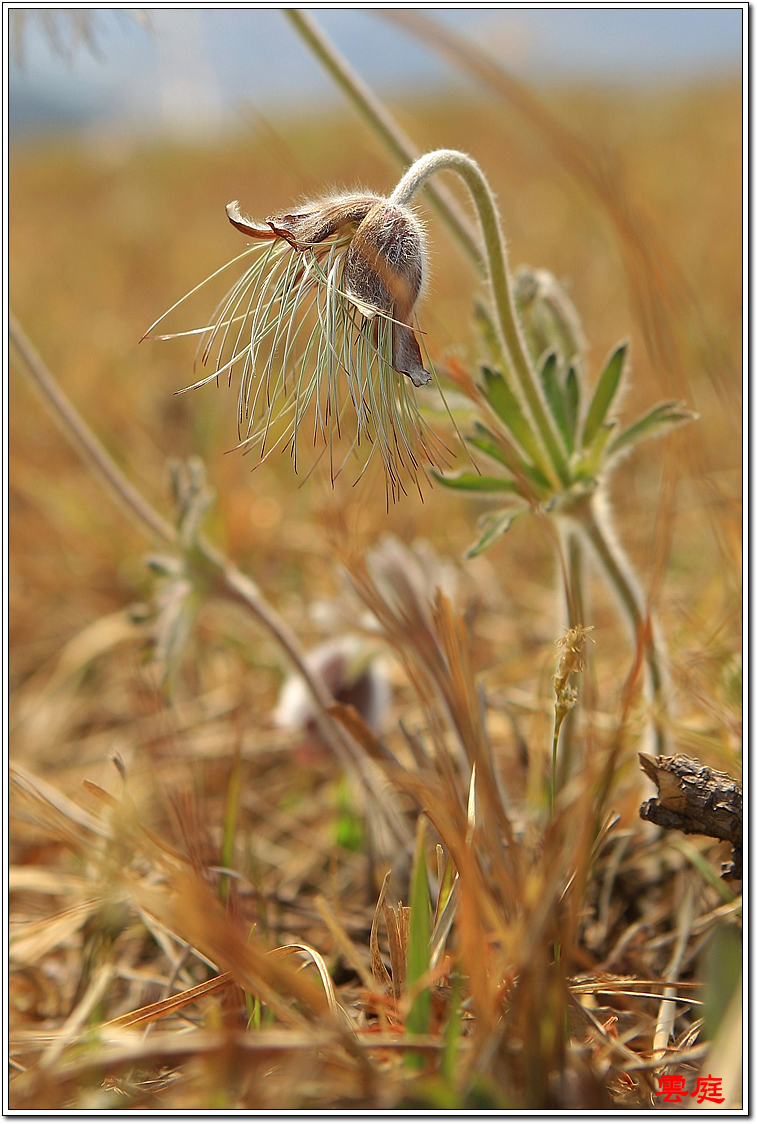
point(383, 265)
point(383, 272)
point(548, 315)
point(357, 261)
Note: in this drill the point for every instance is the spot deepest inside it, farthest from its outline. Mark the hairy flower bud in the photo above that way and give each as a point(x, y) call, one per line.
point(383, 266)
point(357, 262)
point(548, 315)
point(383, 272)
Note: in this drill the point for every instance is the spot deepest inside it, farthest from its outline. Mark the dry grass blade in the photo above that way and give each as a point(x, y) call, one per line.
point(37, 880)
point(667, 1013)
point(397, 922)
point(335, 1007)
point(344, 944)
point(193, 911)
point(52, 810)
point(169, 1006)
point(377, 964)
point(31, 941)
point(96, 989)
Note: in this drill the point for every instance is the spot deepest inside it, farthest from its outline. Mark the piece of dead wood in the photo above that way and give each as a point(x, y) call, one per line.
point(696, 800)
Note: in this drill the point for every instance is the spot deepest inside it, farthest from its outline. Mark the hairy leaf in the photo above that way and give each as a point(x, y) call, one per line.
point(591, 461)
point(658, 421)
point(486, 442)
point(472, 482)
point(507, 407)
point(555, 399)
point(607, 388)
point(493, 527)
point(572, 405)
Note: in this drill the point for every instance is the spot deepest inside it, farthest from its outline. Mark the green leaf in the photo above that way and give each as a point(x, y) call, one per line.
point(419, 936)
point(493, 527)
point(572, 405)
point(662, 418)
point(507, 407)
point(537, 477)
point(486, 442)
point(591, 462)
point(555, 399)
point(472, 482)
point(607, 388)
point(453, 1032)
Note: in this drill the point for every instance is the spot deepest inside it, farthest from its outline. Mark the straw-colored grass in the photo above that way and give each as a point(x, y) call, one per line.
point(196, 909)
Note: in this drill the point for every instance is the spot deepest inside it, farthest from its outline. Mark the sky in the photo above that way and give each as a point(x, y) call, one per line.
point(200, 69)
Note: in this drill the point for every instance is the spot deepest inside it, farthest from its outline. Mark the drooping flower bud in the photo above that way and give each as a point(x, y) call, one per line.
point(383, 266)
point(355, 261)
point(383, 272)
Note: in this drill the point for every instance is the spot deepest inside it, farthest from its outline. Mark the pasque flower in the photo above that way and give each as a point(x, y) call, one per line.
point(323, 319)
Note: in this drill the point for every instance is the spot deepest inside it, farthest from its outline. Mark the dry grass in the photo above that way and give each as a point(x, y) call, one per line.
point(158, 840)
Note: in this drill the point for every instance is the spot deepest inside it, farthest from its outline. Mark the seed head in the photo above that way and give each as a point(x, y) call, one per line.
point(322, 319)
point(572, 649)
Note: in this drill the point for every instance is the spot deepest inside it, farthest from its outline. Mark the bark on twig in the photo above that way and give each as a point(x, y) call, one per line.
point(696, 800)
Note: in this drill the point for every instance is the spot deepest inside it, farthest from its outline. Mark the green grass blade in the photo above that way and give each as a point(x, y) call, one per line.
point(607, 388)
point(419, 936)
point(453, 1031)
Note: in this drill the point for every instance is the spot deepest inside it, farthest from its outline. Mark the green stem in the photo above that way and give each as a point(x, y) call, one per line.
point(381, 122)
point(621, 581)
point(449, 160)
point(576, 613)
point(559, 716)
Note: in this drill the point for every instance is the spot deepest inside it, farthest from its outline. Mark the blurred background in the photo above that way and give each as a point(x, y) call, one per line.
point(201, 69)
point(613, 140)
point(129, 134)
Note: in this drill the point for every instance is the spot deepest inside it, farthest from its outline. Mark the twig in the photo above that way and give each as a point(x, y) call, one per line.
point(696, 800)
point(76, 430)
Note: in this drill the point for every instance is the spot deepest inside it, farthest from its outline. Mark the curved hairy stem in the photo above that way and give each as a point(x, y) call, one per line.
point(446, 159)
point(227, 579)
point(381, 122)
point(620, 579)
